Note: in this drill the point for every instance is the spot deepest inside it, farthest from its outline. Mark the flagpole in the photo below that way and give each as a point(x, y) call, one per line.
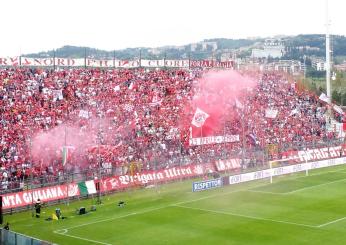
point(328, 54)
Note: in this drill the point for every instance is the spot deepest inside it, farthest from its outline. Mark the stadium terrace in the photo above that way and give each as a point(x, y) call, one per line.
point(125, 121)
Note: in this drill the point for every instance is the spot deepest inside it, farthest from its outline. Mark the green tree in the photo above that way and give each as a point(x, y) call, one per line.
point(336, 96)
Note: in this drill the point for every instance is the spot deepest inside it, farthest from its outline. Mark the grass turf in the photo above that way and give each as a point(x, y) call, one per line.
point(294, 209)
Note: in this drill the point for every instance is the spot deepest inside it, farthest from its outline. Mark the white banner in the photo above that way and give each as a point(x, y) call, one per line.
point(152, 63)
point(270, 113)
point(110, 63)
point(324, 98)
point(285, 170)
point(84, 114)
point(9, 61)
point(177, 63)
point(99, 63)
point(214, 140)
point(57, 95)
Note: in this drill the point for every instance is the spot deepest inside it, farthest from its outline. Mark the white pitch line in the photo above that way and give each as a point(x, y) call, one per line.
point(103, 220)
point(62, 231)
point(246, 216)
point(297, 190)
point(85, 239)
point(266, 192)
point(314, 186)
point(331, 222)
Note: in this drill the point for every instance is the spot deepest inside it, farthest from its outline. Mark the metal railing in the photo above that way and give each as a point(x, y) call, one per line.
point(8, 237)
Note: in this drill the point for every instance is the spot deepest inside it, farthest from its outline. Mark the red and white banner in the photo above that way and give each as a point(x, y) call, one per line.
point(228, 164)
point(24, 198)
point(151, 177)
point(110, 63)
point(213, 140)
point(315, 154)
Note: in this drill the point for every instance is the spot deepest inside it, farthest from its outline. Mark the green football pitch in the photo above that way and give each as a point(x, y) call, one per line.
point(294, 209)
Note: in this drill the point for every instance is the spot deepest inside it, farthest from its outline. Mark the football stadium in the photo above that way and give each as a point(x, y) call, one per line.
point(198, 144)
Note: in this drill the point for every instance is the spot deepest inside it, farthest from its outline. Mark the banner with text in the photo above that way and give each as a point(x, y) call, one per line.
point(206, 185)
point(152, 177)
point(24, 198)
point(315, 154)
point(228, 164)
point(110, 63)
point(214, 140)
point(267, 173)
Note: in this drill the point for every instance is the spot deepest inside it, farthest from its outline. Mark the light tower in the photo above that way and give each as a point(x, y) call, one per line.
point(328, 54)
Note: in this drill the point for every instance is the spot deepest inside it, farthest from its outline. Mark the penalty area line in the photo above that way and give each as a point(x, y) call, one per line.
point(331, 222)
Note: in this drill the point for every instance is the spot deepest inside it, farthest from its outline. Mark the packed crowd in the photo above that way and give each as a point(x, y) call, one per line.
point(136, 115)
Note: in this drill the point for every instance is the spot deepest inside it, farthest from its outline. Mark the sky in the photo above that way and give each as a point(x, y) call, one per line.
point(29, 26)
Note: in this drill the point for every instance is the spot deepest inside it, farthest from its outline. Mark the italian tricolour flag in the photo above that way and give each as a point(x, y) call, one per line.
point(87, 187)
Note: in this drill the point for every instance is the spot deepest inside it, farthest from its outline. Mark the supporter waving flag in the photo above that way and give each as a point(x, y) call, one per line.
point(199, 118)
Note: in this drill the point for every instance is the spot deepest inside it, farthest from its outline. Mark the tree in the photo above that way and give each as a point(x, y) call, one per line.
point(336, 96)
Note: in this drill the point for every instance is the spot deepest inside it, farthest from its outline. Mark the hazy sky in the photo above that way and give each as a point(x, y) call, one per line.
point(36, 25)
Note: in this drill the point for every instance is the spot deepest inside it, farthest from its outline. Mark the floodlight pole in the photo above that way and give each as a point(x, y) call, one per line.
point(328, 54)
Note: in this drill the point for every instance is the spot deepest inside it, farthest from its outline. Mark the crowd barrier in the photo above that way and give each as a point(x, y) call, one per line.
point(8, 237)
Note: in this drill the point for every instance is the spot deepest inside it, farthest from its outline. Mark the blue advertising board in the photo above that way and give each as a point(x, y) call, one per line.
point(206, 185)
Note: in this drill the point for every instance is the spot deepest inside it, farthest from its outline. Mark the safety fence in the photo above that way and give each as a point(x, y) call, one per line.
point(8, 237)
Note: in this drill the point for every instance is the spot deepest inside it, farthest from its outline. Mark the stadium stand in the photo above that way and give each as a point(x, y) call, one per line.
point(135, 115)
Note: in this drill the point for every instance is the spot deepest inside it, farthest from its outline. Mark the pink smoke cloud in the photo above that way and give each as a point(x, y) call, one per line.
point(215, 94)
